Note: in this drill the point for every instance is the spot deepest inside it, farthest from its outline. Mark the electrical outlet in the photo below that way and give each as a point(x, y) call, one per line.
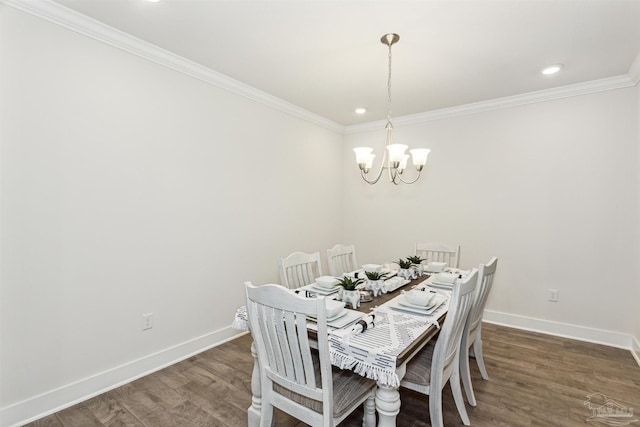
point(554, 294)
point(147, 321)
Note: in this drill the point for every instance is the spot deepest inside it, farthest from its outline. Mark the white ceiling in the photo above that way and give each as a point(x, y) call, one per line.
point(326, 57)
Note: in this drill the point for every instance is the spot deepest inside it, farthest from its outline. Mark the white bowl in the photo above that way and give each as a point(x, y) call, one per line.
point(419, 297)
point(372, 268)
point(326, 281)
point(334, 307)
point(436, 267)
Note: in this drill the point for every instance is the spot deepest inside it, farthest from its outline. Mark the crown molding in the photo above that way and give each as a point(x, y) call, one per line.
point(77, 22)
point(499, 103)
point(70, 19)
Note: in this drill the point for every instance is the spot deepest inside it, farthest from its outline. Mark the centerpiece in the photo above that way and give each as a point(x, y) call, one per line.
point(416, 262)
point(349, 292)
point(375, 282)
point(405, 269)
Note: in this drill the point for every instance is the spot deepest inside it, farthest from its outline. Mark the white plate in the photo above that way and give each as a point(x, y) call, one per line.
point(349, 316)
point(401, 305)
point(405, 301)
point(336, 317)
point(324, 291)
point(447, 286)
point(343, 319)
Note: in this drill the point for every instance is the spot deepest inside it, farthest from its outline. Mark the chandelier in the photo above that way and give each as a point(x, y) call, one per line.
point(394, 158)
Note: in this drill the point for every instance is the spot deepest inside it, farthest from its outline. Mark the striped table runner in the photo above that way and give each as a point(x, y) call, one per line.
point(373, 353)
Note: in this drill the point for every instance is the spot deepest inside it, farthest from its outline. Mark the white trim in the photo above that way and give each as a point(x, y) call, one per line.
point(74, 21)
point(635, 349)
point(63, 397)
point(634, 70)
point(565, 330)
point(578, 89)
point(68, 18)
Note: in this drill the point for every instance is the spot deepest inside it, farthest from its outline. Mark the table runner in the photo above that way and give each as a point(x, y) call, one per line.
point(373, 353)
point(241, 320)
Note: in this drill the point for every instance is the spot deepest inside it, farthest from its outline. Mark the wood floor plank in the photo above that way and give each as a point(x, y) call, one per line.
point(536, 380)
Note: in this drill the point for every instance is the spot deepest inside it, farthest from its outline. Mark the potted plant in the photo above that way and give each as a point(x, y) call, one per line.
point(375, 282)
point(417, 264)
point(349, 292)
point(405, 269)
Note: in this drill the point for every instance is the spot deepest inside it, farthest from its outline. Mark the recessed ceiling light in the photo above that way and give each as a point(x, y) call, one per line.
point(154, 1)
point(552, 69)
point(361, 110)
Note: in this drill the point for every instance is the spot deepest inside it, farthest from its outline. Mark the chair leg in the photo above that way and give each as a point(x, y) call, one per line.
point(435, 408)
point(465, 374)
point(457, 397)
point(266, 415)
point(477, 350)
point(369, 419)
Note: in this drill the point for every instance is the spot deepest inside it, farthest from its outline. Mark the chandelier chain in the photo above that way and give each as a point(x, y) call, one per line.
point(389, 88)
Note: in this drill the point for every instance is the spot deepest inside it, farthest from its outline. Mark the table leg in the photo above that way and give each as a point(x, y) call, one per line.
point(253, 412)
point(388, 401)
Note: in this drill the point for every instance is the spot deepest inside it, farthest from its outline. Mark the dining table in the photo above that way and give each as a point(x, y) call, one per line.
point(380, 352)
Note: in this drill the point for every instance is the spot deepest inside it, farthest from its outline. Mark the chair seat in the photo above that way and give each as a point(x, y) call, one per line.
point(348, 387)
point(419, 368)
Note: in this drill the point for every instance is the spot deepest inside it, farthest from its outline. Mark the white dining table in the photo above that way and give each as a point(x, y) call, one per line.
point(380, 353)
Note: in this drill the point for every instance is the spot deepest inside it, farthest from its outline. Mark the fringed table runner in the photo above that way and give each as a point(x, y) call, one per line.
point(373, 353)
point(240, 320)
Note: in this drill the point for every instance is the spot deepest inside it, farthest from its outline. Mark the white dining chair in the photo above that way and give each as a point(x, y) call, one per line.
point(435, 364)
point(299, 269)
point(295, 378)
point(471, 343)
point(437, 252)
point(341, 259)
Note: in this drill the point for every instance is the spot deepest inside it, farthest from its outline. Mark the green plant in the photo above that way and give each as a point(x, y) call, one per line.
point(404, 263)
point(415, 259)
point(348, 283)
point(374, 275)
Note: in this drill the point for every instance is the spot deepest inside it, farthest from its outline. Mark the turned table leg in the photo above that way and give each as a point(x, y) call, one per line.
point(253, 411)
point(388, 401)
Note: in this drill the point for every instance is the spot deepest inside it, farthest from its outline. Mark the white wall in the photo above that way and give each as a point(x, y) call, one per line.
point(128, 188)
point(550, 188)
point(636, 343)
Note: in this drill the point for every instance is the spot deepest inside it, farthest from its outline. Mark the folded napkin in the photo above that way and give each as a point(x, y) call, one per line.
point(363, 324)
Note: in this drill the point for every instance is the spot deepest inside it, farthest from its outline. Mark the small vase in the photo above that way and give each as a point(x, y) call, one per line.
point(419, 269)
point(406, 273)
point(376, 286)
point(351, 297)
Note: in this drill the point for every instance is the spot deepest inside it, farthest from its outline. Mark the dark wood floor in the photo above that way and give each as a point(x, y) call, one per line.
point(535, 380)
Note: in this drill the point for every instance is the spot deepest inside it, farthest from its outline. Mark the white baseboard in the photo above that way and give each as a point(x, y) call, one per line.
point(635, 349)
point(63, 397)
point(582, 333)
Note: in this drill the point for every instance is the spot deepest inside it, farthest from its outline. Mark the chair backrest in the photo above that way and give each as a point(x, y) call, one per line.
point(485, 281)
point(341, 259)
point(437, 252)
point(278, 324)
point(445, 354)
point(299, 269)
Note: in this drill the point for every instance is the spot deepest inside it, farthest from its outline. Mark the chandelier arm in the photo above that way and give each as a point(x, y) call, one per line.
point(379, 174)
point(364, 177)
point(410, 182)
